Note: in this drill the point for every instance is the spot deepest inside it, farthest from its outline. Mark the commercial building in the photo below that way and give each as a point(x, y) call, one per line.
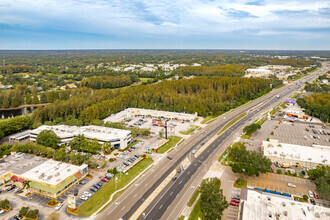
point(259, 72)
point(134, 112)
point(118, 138)
point(46, 177)
point(296, 155)
point(255, 204)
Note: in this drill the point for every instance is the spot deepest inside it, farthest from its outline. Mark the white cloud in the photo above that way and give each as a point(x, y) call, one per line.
point(162, 17)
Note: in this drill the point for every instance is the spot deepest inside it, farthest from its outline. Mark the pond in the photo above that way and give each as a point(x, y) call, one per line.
point(15, 112)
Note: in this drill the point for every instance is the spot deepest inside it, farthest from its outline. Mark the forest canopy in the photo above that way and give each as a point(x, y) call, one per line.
point(204, 95)
point(317, 105)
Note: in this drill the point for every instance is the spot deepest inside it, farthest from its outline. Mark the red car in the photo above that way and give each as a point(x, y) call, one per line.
point(235, 200)
point(233, 204)
point(129, 150)
point(316, 195)
point(104, 180)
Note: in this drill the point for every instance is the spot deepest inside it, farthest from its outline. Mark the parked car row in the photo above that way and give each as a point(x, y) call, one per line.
point(85, 196)
point(96, 187)
point(127, 162)
point(235, 200)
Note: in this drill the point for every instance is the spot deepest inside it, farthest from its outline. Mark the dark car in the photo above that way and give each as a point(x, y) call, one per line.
point(93, 189)
point(82, 182)
point(169, 157)
point(11, 187)
point(76, 191)
point(313, 201)
point(174, 178)
point(179, 170)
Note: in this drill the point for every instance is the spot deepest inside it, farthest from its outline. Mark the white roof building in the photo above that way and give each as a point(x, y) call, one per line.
point(255, 204)
point(119, 138)
point(132, 112)
point(296, 154)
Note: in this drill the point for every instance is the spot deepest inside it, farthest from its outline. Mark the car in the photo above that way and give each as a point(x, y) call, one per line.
point(76, 191)
point(11, 187)
point(316, 196)
point(169, 157)
point(203, 131)
point(291, 185)
point(104, 180)
point(17, 189)
point(313, 201)
point(310, 193)
point(59, 206)
point(86, 193)
point(305, 137)
point(83, 197)
point(193, 151)
point(129, 150)
point(307, 129)
point(235, 197)
point(202, 143)
point(235, 200)
point(233, 203)
point(1, 211)
point(136, 156)
point(179, 170)
point(99, 184)
point(327, 140)
point(174, 178)
point(82, 182)
point(94, 189)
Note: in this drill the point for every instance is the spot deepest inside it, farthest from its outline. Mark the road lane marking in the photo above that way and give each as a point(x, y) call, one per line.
point(161, 206)
point(171, 193)
point(123, 208)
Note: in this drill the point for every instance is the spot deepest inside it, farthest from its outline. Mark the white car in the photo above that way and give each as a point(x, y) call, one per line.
point(86, 193)
point(193, 151)
point(58, 206)
point(83, 197)
point(291, 185)
point(310, 193)
point(1, 211)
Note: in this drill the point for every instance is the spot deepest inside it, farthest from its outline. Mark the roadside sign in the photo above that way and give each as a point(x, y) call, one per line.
point(71, 202)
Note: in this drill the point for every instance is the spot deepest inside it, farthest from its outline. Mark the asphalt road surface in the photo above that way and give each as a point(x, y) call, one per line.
point(129, 201)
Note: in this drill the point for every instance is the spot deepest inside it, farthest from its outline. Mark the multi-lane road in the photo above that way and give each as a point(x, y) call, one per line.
point(169, 202)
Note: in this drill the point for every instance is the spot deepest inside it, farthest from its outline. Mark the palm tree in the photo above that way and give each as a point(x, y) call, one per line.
point(26, 184)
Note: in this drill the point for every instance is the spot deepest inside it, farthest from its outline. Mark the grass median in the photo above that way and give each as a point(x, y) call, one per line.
point(196, 212)
point(191, 130)
point(103, 195)
point(173, 140)
point(232, 122)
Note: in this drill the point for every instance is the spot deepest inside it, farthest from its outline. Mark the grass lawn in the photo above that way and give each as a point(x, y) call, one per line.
point(261, 121)
point(191, 130)
point(196, 212)
point(181, 217)
point(146, 79)
point(193, 198)
point(299, 199)
point(246, 136)
point(103, 195)
point(233, 121)
point(208, 120)
point(173, 140)
point(239, 183)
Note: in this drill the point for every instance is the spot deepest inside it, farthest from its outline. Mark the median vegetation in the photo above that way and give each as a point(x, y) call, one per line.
point(173, 140)
point(103, 195)
point(232, 122)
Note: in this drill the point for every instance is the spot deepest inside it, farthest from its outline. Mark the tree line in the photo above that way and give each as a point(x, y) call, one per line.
point(223, 70)
point(101, 82)
point(317, 105)
point(205, 95)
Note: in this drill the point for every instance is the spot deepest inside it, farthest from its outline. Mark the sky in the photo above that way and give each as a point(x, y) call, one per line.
point(165, 24)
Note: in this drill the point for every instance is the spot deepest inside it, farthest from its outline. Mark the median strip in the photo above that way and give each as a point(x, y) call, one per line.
point(153, 195)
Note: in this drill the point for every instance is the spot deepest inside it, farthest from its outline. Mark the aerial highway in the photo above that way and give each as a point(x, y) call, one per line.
point(168, 203)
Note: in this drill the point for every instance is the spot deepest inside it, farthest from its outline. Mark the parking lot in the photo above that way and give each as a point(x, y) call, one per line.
point(232, 211)
point(174, 126)
point(279, 182)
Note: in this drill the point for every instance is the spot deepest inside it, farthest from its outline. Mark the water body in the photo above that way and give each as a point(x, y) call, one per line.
point(15, 112)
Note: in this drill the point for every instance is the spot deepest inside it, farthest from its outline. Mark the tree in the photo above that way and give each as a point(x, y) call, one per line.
point(35, 98)
point(247, 162)
point(213, 202)
point(26, 184)
point(82, 144)
point(1, 134)
point(321, 177)
point(32, 213)
point(23, 211)
point(251, 128)
point(48, 138)
point(4, 204)
point(43, 98)
point(61, 155)
point(28, 99)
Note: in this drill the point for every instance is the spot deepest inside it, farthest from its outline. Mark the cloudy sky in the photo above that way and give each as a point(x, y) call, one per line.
point(165, 24)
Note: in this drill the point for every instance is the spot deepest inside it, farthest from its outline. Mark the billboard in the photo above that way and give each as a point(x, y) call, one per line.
point(71, 202)
point(290, 101)
point(158, 122)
